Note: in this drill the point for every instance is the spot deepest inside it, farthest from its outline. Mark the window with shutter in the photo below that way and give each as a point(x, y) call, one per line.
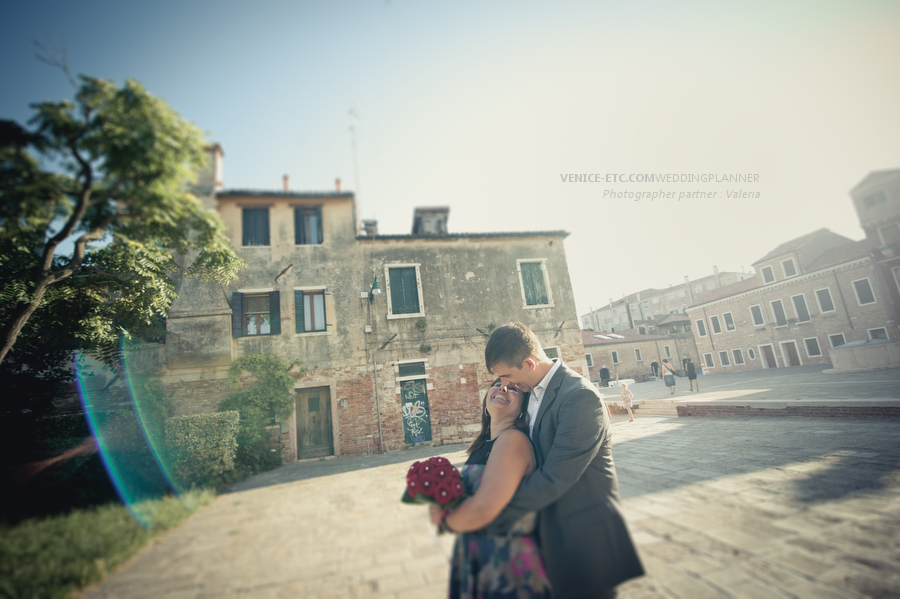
point(403, 283)
point(255, 314)
point(535, 283)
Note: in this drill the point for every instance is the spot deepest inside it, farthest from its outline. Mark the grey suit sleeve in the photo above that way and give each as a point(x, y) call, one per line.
point(581, 426)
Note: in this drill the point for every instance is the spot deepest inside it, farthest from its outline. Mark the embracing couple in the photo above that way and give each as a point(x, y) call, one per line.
point(543, 518)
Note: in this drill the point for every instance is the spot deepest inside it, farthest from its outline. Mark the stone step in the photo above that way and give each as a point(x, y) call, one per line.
point(656, 412)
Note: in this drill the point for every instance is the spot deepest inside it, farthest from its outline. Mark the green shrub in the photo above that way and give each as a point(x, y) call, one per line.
point(201, 447)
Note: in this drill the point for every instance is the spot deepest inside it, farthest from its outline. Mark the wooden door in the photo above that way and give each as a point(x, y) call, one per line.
point(789, 350)
point(314, 438)
point(768, 356)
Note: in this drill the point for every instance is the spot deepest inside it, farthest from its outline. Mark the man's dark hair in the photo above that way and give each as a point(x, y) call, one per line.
point(510, 344)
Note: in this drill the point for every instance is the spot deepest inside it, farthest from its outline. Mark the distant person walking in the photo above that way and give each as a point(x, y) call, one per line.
point(669, 375)
point(627, 396)
point(692, 375)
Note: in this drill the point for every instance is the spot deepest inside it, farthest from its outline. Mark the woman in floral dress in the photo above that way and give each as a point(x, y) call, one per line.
point(485, 566)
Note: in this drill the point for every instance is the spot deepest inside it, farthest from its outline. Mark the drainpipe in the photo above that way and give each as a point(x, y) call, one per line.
point(841, 294)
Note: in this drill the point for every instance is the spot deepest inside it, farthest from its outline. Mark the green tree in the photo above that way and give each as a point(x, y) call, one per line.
point(111, 172)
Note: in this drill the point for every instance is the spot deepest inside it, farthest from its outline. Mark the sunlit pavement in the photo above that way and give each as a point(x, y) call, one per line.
point(742, 507)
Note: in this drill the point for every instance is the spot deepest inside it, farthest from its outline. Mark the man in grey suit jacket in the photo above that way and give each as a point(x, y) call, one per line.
point(583, 537)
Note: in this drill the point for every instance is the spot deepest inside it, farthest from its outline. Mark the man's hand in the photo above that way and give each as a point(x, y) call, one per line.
point(434, 512)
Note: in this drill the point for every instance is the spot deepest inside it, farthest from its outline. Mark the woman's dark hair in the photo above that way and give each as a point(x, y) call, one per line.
point(485, 434)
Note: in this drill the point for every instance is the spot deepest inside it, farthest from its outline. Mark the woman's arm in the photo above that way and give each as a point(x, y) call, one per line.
point(511, 459)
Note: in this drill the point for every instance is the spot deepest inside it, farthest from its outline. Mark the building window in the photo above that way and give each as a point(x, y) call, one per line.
point(710, 286)
point(642, 331)
point(729, 321)
point(889, 234)
point(308, 225)
point(880, 333)
point(681, 293)
point(836, 340)
point(615, 357)
point(687, 328)
point(551, 352)
point(637, 354)
point(404, 291)
point(874, 199)
point(768, 274)
point(751, 354)
point(823, 296)
point(800, 308)
point(535, 282)
point(255, 226)
point(788, 267)
point(863, 291)
point(723, 358)
point(309, 311)
point(255, 314)
point(667, 351)
point(812, 347)
point(655, 300)
point(646, 303)
point(778, 313)
point(738, 356)
point(714, 325)
point(708, 360)
point(757, 315)
point(590, 360)
point(701, 329)
point(671, 296)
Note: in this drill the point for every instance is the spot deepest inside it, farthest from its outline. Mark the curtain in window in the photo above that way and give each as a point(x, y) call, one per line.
point(308, 226)
point(256, 226)
point(533, 282)
point(314, 312)
point(404, 291)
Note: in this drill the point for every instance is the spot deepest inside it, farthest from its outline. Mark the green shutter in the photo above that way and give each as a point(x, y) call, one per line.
point(533, 283)
point(275, 312)
point(298, 311)
point(404, 291)
point(237, 314)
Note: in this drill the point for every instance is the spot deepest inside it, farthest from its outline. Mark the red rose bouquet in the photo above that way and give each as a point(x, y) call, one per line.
point(435, 481)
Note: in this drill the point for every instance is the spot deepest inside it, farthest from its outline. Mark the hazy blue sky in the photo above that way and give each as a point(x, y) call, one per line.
point(483, 106)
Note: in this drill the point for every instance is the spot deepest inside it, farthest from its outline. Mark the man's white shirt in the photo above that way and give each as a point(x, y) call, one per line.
point(537, 394)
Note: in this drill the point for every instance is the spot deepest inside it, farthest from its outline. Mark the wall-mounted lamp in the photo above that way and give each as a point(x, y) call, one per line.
point(375, 290)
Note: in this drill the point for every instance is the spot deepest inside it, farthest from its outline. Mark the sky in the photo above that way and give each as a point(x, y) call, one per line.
point(489, 107)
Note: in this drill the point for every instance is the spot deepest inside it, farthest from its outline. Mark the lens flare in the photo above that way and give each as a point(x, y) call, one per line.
point(122, 439)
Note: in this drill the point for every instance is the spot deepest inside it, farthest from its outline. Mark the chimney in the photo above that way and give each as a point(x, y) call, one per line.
point(337, 184)
point(287, 183)
point(716, 275)
point(370, 228)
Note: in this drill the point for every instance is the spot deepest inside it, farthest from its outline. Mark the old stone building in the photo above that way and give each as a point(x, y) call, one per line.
point(811, 294)
point(390, 329)
point(629, 354)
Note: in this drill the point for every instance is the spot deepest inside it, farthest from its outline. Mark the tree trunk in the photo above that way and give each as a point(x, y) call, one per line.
point(19, 317)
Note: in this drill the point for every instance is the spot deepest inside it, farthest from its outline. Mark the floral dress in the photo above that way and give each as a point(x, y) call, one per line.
point(495, 567)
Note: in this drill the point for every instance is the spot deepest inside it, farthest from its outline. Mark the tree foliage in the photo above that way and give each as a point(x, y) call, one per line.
point(271, 397)
point(109, 171)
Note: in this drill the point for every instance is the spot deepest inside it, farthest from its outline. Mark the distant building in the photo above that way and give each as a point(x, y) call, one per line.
point(629, 354)
point(644, 308)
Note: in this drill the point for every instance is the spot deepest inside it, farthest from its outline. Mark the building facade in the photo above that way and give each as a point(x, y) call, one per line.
point(389, 330)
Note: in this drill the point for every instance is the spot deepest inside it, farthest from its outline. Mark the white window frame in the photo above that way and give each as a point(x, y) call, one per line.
point(553, 347)
point(871, 290)
point(805, 304)
point(701, 326)
point(819, 302)
point(638, 355)
point(762, 271)
point(545, 272)
point(793, 264)
point(806, 347)
point(615, 356)
point(775, 316)
point(412, 377)
point(762, 315)
point(725, 322)
point(709, 363)
point(751, 353)
point(869, 331)
point(724, 360)
point(387, 285)
point(831, 341)
point(325, 294)
point(715, 324)
point(738, 356)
